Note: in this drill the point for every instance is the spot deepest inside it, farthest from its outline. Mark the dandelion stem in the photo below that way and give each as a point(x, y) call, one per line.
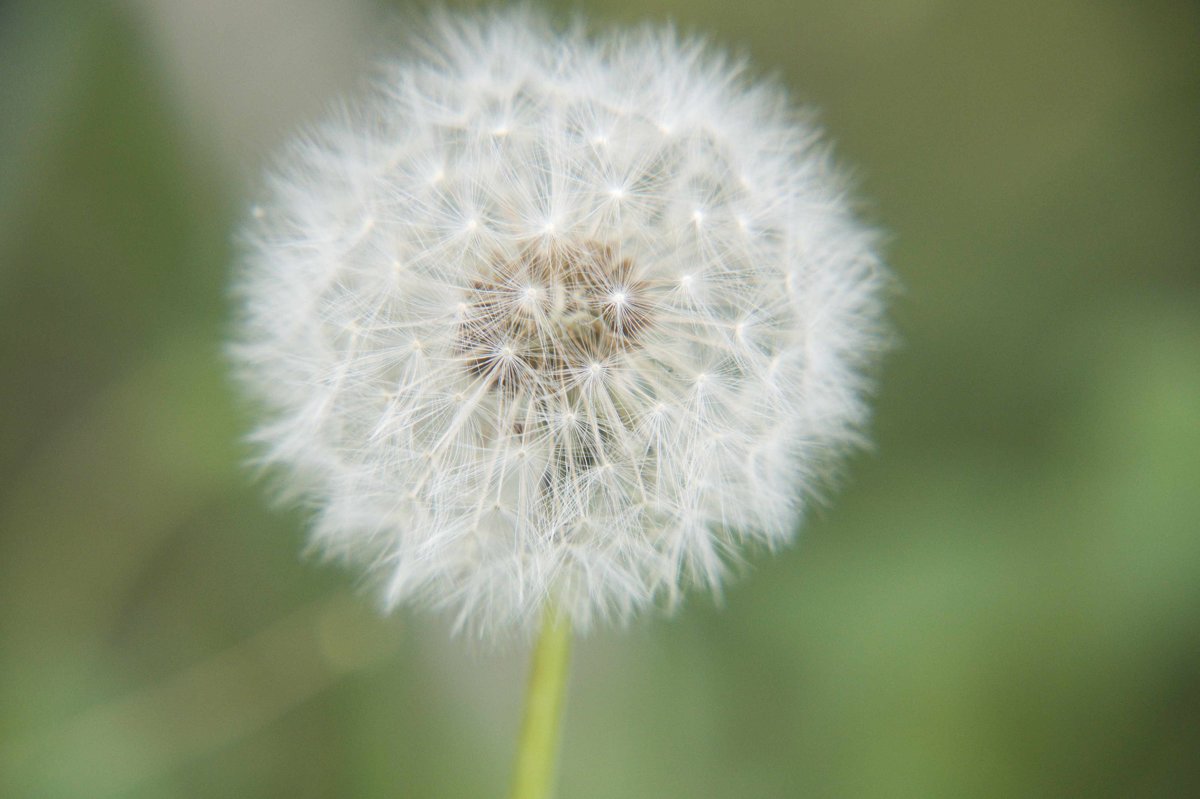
point(537, 750)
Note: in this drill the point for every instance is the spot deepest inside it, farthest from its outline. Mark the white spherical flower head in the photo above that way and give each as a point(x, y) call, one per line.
point(556, 318)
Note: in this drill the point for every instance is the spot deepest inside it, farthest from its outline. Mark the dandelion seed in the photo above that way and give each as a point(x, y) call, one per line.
point(642, 355)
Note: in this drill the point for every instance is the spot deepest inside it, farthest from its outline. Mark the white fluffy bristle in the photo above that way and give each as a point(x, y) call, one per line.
point(556, 318)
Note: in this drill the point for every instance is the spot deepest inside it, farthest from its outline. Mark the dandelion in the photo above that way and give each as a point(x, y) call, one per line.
point(556, 320)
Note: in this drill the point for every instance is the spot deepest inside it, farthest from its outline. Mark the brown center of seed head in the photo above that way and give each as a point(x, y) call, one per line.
point(537, 322)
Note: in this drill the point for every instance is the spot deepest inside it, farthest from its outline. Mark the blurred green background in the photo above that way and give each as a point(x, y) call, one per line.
point(1002, 601)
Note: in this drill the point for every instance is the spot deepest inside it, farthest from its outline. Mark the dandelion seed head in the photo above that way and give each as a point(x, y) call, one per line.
point(553, 316)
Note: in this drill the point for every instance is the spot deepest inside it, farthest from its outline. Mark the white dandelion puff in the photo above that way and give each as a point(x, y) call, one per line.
point(556, 317)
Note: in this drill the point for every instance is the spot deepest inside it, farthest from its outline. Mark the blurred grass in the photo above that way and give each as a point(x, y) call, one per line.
point(1003, 600)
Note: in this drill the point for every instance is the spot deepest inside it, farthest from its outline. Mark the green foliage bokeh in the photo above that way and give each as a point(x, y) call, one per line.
point(1003, 599)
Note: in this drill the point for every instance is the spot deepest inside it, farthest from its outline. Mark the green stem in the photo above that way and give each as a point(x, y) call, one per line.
point(537, 750)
